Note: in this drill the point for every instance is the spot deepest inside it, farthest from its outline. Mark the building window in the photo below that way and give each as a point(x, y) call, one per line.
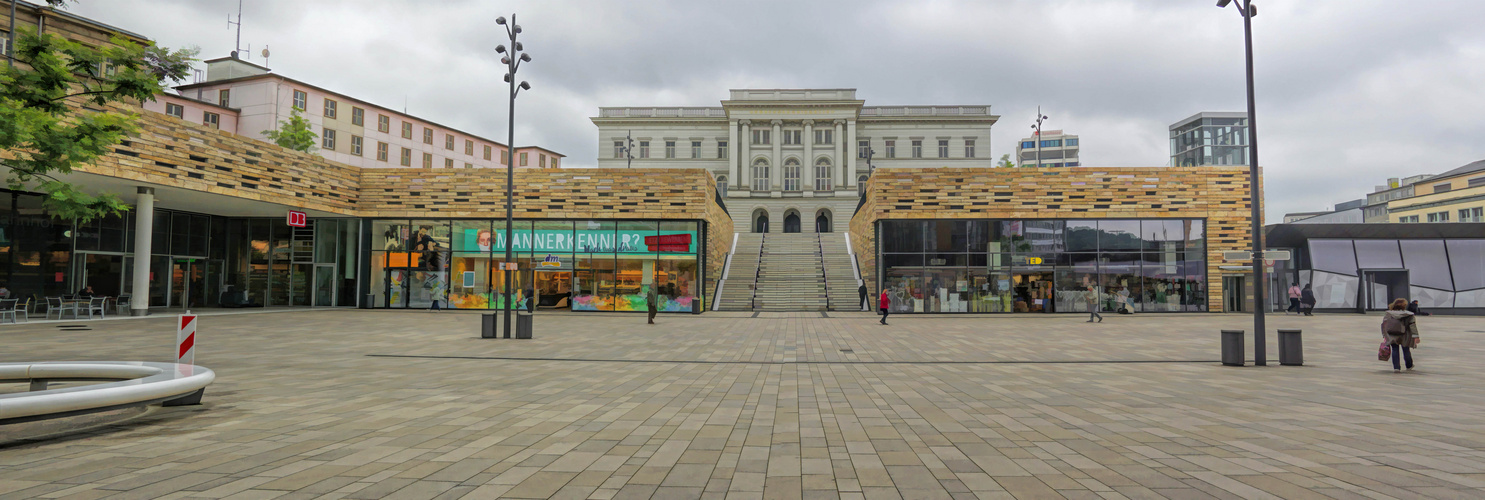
point(487, 152)
point(175, 110)
point(505, 157)
point(1443, 187)
point(1072, 164)
point(4, 44)
point(541, 161)
point(224, 98)
point(1028, 144)
point(469, 147)
point(301, 100)
point(722, 151)
point(356, 145)
point(1410, 218)
point(861, 186)
point(917, 149)
point(792, 137)
point(644, 149)
point(448, 163)
point(1071, 142)
point(1438, 217)
point(1054, 143)
point(791, 174)
point(328, 140)
point(722, 185)
point(760, 137)
point(943, 148)
point(406, 130)
point(760, 175)
point(969, 148)
point(383, 124)
point(670, 149)
point(554, 162)
point(468, 165)
point(824, 178)
point(427, 135)
point(210, 119)
point(891, 149)
point(381, 151)
point(1471, 214)
point(863, 148)
point(696, 149)
point(1477, 182)
point(448, 142)
point(824, 136)
point(618, 149)
point(358, 116)
point(427, 160)
point(330, 108)
point(523, 159)
point(406, 157)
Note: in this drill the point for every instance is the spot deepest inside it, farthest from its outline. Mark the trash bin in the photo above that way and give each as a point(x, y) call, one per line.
point(523, 324)
point(487, 326)
point(370, 301)
point(1291, 349)
point(696, 306)
point(1232, 347)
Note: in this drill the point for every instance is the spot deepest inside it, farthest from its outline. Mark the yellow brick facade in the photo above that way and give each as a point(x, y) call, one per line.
point(1217, 194)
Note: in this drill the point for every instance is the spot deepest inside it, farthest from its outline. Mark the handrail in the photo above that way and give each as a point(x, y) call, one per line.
point(137, 383)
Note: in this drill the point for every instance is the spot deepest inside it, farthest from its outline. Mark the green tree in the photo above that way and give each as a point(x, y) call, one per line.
point(293, 133)
point(1005, 162)
point(65, 104)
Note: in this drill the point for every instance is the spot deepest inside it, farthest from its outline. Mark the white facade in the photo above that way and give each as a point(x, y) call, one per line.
point(1052, 147)
point(794, 152)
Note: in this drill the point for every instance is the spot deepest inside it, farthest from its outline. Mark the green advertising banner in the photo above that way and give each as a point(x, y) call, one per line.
point(561, 240)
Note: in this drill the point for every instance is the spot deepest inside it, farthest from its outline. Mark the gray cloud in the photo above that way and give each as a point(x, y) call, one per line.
point(1350, 92)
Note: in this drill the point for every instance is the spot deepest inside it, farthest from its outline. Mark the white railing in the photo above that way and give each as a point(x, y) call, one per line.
point(925, 111)
point(662, 112)
point(793, 94)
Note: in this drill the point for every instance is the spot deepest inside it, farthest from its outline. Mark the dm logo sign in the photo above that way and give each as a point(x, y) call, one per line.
point(551, 261)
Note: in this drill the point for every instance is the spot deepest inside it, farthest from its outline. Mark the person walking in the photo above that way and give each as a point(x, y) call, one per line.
point(1307, 299)
point(862, 301)
point(1091, 297)
point(1125, 306)
point(1400, 330)
point(652, 302)
point(1293, 299)
point(885, 303)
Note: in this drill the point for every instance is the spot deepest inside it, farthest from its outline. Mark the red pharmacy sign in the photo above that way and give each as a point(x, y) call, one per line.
point(669, 243)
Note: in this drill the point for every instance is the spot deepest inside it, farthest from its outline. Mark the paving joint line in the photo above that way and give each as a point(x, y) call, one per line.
point(806, 362)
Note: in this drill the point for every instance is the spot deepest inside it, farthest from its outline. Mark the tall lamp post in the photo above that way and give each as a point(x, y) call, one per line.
point(1260, 358)
point(512, 60)
point(1038, 135)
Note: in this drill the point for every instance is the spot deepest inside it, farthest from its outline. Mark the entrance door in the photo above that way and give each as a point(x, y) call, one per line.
point(822, 224)
point(182, 279)
point(1382, 287)
point(105, 273)
point(1234, 290)
point(791, 223)
point(761, 224)
point(553, 289)
point(324, 285)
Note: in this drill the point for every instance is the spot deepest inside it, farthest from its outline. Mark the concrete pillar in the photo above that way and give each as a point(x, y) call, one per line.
point(776, 164)
point(840, 159)
point(732, 159)
point(744, 158)
point(850, 170)
point(144, 233)
point(809, 155)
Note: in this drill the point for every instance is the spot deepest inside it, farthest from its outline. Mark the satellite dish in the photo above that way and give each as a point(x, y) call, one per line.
point(265, 52)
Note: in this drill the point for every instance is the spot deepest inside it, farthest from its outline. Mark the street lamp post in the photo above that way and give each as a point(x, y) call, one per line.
point(1038, 135)
point(512, 60)
point(1260, 358)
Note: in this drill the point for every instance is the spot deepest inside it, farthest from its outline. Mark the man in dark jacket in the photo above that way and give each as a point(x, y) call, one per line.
point(1307, 298)
point(862, 301)
point(652, 302)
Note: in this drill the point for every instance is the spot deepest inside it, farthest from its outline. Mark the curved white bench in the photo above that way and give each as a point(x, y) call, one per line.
point(138, 383)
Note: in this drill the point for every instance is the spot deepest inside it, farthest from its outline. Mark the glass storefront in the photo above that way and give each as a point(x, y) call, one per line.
point(1043, 266)
point(582, 265)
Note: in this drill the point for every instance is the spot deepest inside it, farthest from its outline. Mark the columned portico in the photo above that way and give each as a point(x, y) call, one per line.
point(809, 154)
point(744, 159)
point(144, 222)
point(777, 174)
point(839, 136)
point(732, 156)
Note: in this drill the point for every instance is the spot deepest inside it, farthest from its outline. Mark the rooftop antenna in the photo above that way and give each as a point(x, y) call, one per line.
point(237, 47)
point(265, 55)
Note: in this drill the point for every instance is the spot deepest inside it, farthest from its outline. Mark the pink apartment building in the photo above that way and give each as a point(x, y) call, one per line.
point(247, 99)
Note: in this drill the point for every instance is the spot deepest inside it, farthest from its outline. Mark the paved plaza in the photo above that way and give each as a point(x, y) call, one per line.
point(381, 404)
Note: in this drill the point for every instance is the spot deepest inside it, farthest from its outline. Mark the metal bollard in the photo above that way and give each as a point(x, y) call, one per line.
point(523, 324)
point(487, 326)
point(1232, 348)
point(1291, 348)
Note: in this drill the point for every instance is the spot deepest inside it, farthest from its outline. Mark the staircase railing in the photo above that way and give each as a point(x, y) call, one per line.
point(757, 272)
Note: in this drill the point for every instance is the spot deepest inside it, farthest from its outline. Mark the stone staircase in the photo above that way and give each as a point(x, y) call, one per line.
point(790, 275)
point(737, 292)
point(840, 276)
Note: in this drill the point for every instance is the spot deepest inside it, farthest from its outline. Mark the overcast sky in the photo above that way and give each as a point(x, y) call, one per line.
point(1350, 92)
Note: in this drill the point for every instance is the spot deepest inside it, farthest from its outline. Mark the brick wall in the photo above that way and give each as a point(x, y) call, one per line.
point(1218, 194)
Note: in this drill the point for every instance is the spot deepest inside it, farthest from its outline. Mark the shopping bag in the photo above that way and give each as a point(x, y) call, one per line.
point(1384, 352)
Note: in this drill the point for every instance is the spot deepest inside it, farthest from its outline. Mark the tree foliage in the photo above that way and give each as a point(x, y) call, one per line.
point(55, 112)
point(1005, 162)
point(294, 133)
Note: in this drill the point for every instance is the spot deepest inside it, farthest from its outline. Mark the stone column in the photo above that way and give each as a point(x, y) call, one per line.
point(809, 154)
point(850, 155)
point(776, 171)
point(743, 157)
point(144, 221)
point(840, 160)
point(732, 161)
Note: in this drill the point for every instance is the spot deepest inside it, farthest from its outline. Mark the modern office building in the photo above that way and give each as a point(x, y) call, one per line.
point(1363, 267)
point(1210, 138)
point(794, 160)
point(1051, 148)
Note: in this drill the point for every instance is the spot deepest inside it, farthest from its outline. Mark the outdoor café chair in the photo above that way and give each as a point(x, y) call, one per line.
point(121, 304)
point(59, 306)
point(9, 307)
point(97, 304)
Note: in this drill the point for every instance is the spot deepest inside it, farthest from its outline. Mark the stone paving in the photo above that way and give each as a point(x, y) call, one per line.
point(380, 404)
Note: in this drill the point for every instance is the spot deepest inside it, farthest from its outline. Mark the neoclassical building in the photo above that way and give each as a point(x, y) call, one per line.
point(793, 160)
